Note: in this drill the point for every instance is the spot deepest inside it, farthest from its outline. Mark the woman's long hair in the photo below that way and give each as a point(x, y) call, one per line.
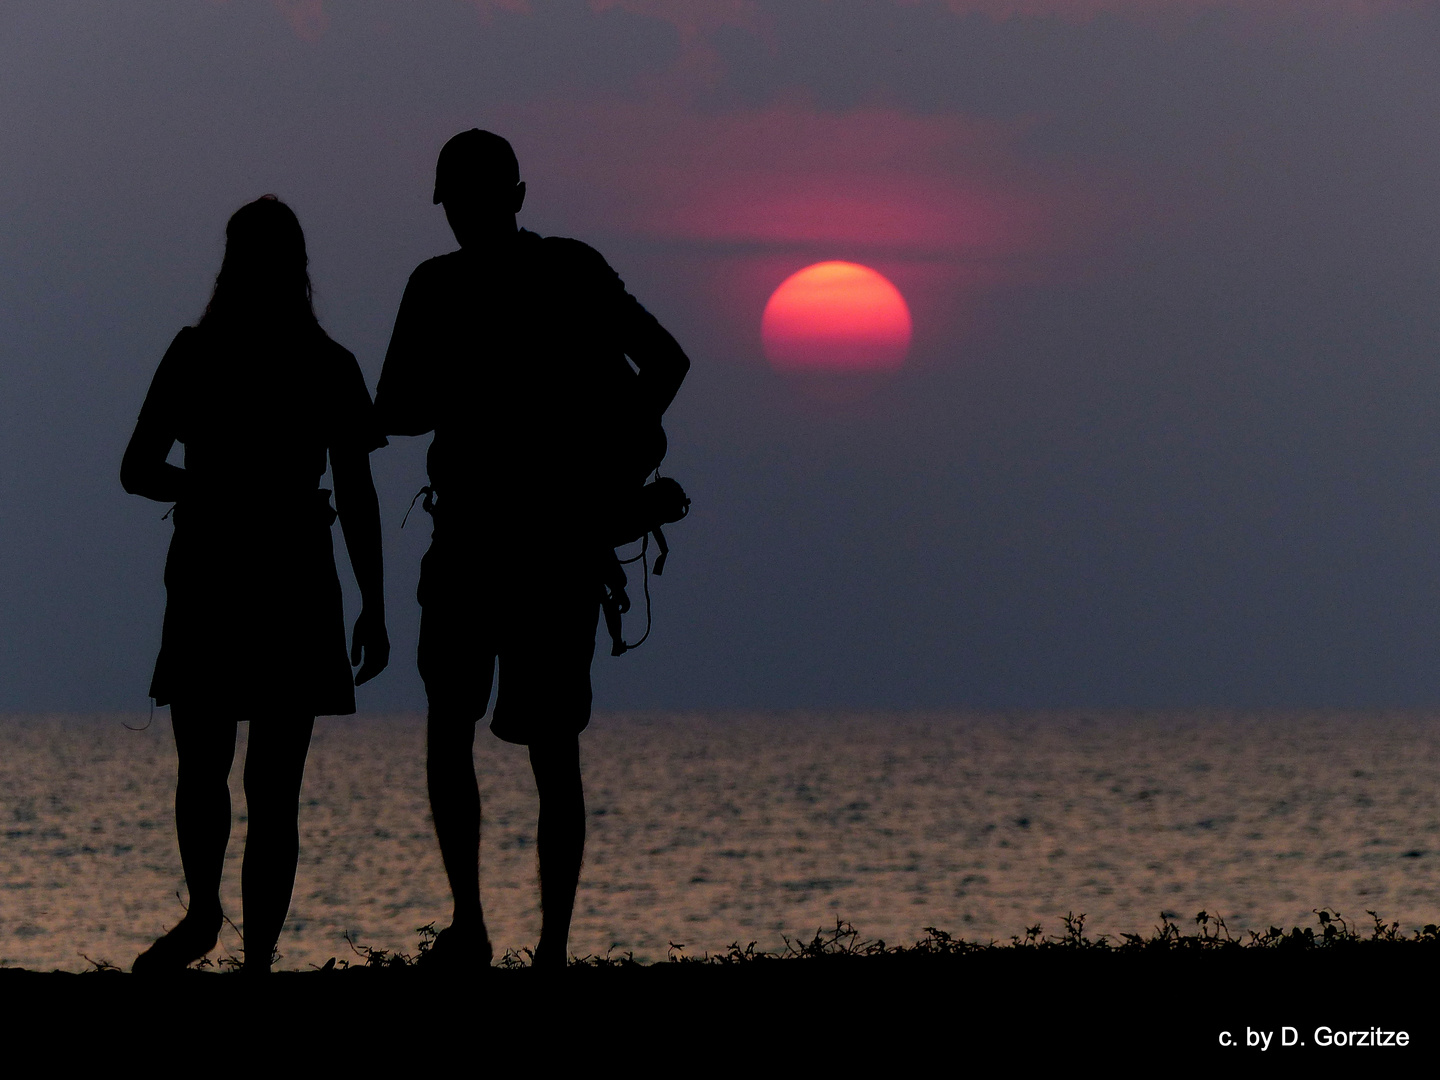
point(264, 279)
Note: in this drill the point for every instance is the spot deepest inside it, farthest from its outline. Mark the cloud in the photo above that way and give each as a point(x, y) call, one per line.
point(698, 16)
point(307, 18)
point(693, 18)
point(788, 176)
point(1085, 10)
point(699, 20)
point(871, 178)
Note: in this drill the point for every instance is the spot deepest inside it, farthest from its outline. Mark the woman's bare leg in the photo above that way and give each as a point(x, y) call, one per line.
point(205, 746)
point(274, 769)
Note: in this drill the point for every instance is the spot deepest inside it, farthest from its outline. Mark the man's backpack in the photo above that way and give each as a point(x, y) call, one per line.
point(638, 511)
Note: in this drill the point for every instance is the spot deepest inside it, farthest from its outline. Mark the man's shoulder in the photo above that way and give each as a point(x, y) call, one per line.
point(577, 266)
point(568, 250)
point(335, 356)
point(439, 268)
point(550, 249)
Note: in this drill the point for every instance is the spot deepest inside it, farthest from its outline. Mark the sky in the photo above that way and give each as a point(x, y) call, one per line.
point(1167, 434)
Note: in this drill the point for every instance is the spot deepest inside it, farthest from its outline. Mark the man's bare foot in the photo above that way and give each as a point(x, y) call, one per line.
point(458, 949)
point(545, 958)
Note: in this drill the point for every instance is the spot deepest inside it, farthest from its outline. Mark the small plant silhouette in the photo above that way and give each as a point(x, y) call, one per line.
point(844, 943)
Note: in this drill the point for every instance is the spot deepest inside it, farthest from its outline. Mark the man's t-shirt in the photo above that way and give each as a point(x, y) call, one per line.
point(517, 362)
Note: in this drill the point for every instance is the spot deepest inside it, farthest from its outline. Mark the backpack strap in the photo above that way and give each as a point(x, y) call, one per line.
point(615, 601)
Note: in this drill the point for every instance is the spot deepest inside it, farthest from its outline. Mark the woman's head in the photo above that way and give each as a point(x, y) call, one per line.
point(264, 273)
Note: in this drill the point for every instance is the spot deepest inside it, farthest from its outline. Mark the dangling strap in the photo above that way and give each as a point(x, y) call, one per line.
point(428, 505)
point(613, 605)
point(147, 723)
point(614, 600)
point(645, 584)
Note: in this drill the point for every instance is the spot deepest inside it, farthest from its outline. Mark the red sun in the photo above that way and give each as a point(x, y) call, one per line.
point(836, 316)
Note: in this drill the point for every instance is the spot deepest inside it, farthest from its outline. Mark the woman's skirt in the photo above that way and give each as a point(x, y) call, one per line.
point(253, 614)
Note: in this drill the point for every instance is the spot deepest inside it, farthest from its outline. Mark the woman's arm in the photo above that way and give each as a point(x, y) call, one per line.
point(144, 470)
point(359, 512)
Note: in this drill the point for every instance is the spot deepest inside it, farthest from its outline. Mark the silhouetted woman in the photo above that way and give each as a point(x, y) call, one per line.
point(254, 628)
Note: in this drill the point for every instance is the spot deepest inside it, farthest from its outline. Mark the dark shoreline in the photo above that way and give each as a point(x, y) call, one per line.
point(1161, 999)
point(1088, 1004)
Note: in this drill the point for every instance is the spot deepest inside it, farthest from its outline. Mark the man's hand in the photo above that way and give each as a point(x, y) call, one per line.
point(371, 641)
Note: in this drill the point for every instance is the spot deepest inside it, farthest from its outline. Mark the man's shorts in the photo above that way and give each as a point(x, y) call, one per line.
point(539, 628)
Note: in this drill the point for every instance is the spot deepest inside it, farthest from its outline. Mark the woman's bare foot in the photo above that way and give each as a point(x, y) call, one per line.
point(191, 938)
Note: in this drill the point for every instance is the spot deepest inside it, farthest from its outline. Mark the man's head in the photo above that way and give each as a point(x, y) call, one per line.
point(478, 180)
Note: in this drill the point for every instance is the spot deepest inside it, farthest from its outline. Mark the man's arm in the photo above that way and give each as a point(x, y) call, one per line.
point(657, 356)
point(661, 362)
point(403, 400)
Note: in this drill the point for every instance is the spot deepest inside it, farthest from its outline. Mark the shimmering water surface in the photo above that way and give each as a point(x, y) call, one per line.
point(706, 830)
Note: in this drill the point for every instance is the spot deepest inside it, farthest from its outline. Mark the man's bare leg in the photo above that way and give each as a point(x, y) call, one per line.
point(455, 807)
point(561, 842)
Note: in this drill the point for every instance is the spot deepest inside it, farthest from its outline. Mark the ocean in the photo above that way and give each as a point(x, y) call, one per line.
point(711, 830)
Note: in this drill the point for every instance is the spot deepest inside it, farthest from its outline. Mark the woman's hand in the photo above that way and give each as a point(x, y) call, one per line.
point(371, 641)
point(359, 512)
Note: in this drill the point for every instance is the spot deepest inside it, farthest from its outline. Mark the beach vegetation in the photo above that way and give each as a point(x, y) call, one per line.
point(843, 942)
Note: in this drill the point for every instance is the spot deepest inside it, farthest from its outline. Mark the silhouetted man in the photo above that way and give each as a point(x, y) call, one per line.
point(513, 351)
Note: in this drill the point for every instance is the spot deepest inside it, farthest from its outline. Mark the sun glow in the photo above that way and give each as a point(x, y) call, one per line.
point(836, 316)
